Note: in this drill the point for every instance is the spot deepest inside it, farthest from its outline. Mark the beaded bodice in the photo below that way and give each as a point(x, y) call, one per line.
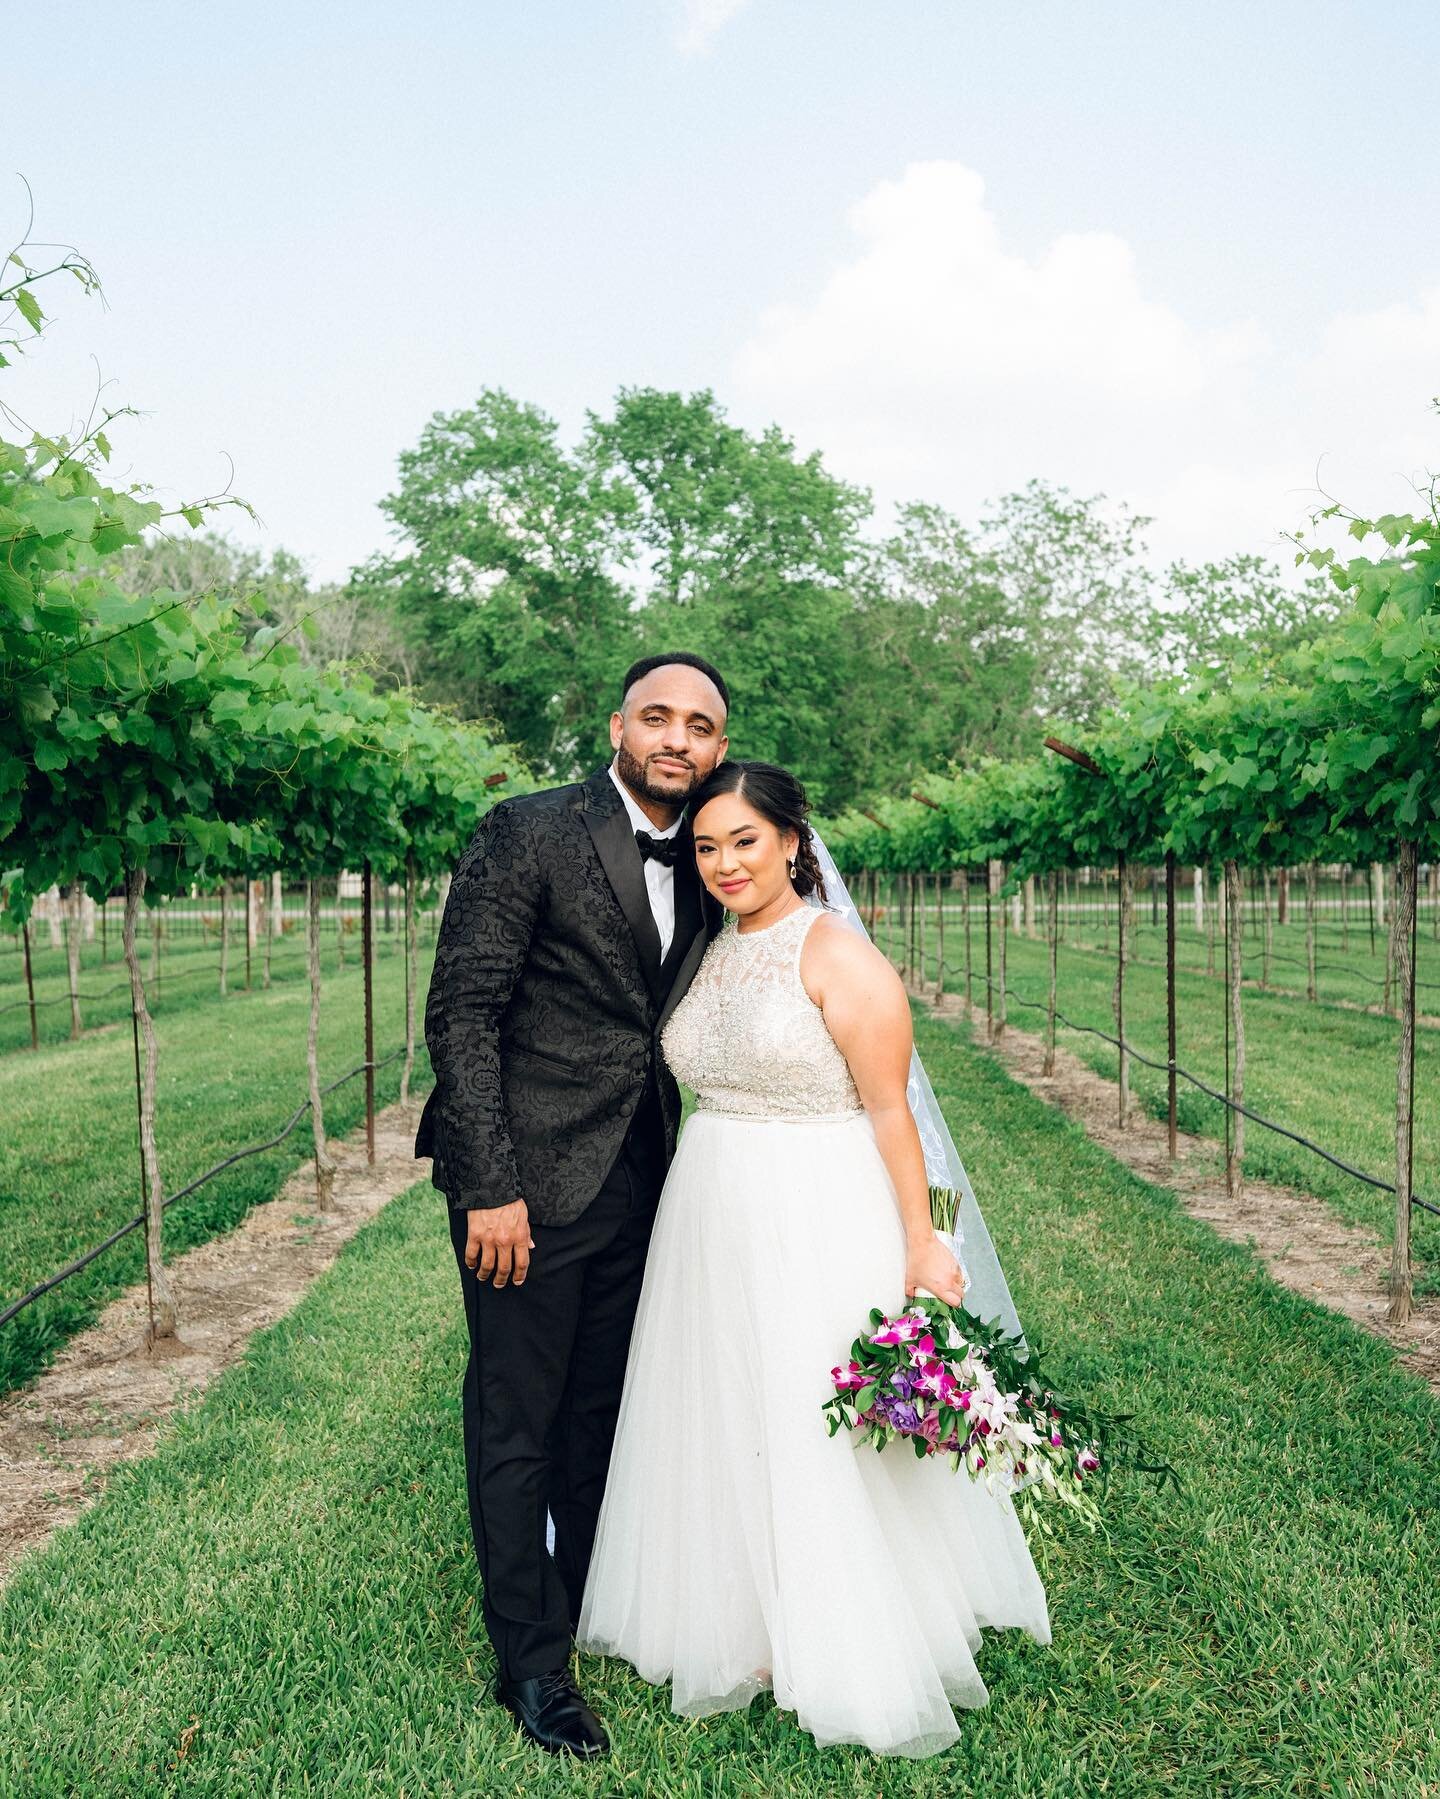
point(748, 1038)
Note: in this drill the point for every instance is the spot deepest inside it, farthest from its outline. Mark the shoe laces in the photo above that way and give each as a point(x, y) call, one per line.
point(557, 1684)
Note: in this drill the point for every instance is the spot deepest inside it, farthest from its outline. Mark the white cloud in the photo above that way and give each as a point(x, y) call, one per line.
point(702, 19)
point(938, 363)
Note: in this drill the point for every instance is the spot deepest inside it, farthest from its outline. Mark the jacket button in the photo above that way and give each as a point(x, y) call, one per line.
point(627, 1108)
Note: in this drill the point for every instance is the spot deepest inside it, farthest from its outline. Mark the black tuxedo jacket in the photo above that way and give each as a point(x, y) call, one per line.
point(547, 1000)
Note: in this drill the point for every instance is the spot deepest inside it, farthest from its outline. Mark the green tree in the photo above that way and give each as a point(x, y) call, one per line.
point(1221, 611)
point(505, 579)
point(1072, 572)
point(948, 656)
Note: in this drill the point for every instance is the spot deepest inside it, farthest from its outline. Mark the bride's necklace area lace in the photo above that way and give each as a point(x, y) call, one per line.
point(748, 1038)
point(732, 921)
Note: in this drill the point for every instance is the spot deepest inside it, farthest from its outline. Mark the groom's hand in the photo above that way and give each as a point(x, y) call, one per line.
point(498, 1243)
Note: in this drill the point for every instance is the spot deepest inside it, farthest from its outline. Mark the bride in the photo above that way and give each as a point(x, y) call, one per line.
point(740, 1547)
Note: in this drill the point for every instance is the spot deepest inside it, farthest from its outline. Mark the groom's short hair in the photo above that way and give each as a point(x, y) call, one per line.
point(643, 667)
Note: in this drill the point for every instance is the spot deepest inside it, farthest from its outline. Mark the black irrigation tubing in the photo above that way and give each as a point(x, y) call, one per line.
point(1266, 1123)
point(253, 1149)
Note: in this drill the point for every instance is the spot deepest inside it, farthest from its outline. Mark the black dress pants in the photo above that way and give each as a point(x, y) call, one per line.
point(540, 1399)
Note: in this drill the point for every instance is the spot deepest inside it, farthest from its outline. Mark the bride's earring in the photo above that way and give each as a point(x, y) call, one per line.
point(792, 871)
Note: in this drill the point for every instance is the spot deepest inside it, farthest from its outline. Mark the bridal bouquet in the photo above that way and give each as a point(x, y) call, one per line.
point(952, 1384)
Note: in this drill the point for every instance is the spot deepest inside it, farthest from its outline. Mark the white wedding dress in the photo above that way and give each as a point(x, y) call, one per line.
point(739, 1545)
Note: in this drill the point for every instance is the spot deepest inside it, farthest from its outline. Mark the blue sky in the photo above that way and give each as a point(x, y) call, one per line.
point(1183, 257)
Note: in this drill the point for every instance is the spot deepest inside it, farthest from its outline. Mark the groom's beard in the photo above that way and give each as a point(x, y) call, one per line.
point(665, 790)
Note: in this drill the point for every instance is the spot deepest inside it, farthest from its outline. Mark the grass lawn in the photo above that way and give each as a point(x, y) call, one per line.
point(231, 1073)
point(1324, 1070)
point(189, 972)
point(283, 1598)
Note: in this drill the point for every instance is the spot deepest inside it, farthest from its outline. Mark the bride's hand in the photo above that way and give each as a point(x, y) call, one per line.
point(929, 1264)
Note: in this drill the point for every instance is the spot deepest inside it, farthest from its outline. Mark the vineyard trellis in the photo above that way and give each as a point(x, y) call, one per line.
point(1328, 756)
point(157, 744)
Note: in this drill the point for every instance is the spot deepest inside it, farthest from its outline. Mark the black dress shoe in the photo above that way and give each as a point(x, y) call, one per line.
point(551, 1713)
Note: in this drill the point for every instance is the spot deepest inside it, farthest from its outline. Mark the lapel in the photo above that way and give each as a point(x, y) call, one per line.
point(686, 962)
point(609, 825)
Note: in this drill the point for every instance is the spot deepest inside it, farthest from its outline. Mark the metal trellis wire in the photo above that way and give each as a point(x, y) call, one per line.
point(253, 1149)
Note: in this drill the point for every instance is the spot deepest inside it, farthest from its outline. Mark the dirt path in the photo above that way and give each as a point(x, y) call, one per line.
point(106, 1396)
point(1302, 1243)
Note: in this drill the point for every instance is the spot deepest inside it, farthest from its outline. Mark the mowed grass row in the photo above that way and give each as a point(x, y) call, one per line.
point(231, 1073)
point(1324, 1070)
point(283, 1598)
point(189, 974)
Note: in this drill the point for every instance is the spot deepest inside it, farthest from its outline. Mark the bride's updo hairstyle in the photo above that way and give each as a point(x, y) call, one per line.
point(778, 797)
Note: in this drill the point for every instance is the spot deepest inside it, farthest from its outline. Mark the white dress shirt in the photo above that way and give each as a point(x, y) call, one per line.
point(659, 880)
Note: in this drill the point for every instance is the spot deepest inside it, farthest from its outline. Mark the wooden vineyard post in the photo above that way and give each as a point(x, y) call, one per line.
point(161, 1300)
point(1312, 878)
point(1122, 884)
point(1269, 935)
point(919, 928)
point(1345, 907)
point(324, 1161)
point(274, 919)
point(367, 947)
point(1391, 914)
point(965, 914)
point(1004, 956)
point(1053, 894)
point(989, 971)
point(1172, 1108)
point(1210, 912)
point(939, 937)
point(411, 941)
point(1403, 936)
point(249, 926)
point(30, 986)
point(224, 935)
point(72, 955)
point(1235, 1028)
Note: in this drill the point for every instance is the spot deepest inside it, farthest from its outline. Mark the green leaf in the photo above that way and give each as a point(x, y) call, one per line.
point(37, 703)
point(29, 308)
point(50, 756)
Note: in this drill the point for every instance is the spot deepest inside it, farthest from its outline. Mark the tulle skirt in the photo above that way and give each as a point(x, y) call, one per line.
point(740, 1547)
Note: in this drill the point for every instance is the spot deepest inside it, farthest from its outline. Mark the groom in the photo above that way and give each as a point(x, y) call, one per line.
point(575, 922)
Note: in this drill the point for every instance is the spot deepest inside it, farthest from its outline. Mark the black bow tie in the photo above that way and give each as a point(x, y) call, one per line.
point(664, 850)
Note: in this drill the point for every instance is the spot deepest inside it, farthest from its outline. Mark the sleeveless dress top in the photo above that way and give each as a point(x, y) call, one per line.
point(748, 1039)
